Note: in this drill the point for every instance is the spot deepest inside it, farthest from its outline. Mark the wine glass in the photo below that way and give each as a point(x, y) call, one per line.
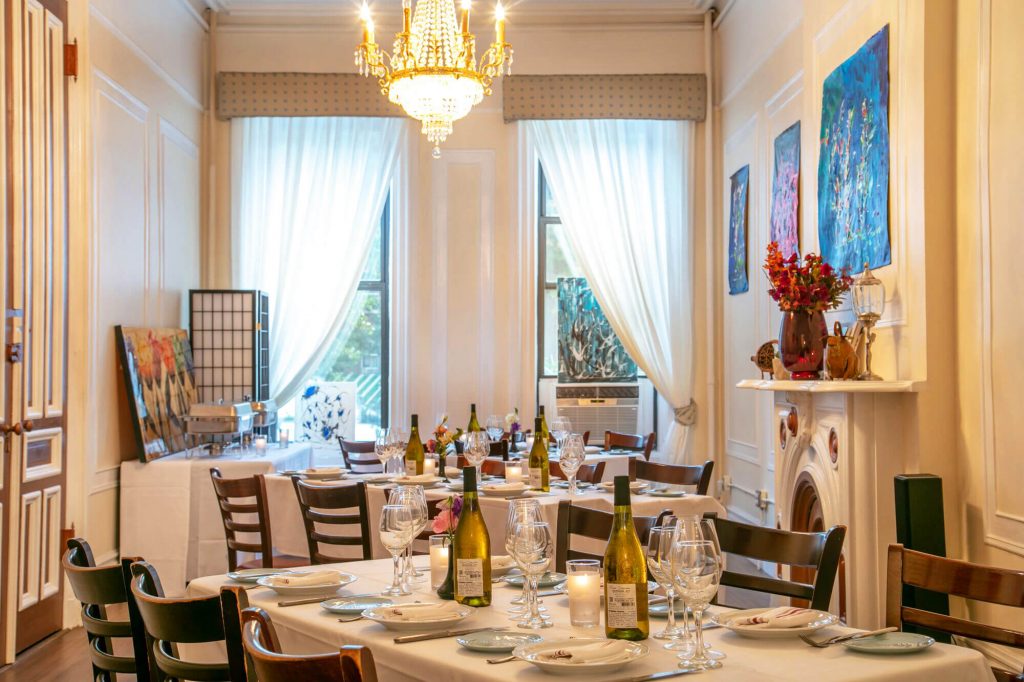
point(413, 497)
point(399, 443)
point(659, 562)
point(520, 511)
point(396, 533)
point(697, 527)
point(696, 571)
point(571, 458)
point(532, 550)
point(560, 428)
point(478, 446)
point(382, 448)
point(495, 427)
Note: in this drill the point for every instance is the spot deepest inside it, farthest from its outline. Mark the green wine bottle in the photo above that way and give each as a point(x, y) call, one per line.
point(625, 574)
point(539, 466)
point(474, 423)
point(414, 452)
point(544, 426)
point(472, 548)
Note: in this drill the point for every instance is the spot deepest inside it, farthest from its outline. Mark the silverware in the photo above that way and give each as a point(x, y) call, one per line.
point(405, 639)
point(317, 600)
point(349, 619)
point(550, 593)
point(824, 644)
point(658, 676)
point(506, 659)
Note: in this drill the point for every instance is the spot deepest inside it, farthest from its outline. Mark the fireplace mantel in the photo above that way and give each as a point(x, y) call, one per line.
point(789, 386)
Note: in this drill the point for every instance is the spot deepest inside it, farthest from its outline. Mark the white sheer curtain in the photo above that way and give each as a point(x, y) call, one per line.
point(624, 190)
point(307, 202)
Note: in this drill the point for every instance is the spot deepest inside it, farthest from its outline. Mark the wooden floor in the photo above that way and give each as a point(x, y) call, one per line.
point(64, 657)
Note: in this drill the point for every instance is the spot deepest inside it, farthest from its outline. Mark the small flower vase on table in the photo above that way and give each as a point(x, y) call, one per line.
point(447, 588)
point(446, 521)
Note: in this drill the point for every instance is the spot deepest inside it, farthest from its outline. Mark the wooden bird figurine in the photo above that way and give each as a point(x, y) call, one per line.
point(764, 358)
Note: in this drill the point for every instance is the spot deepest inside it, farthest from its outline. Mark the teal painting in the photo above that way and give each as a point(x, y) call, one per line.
point(739, 183)
point(588, 349)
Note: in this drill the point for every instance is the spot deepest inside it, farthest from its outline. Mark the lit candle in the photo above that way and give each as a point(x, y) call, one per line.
point(513, 473)
point(438, 560)
point(465, 15)
point(283, 438)
point(260, 443)
point(429, 467)
point(364, 14)
point(584, 587)
point(499, 23)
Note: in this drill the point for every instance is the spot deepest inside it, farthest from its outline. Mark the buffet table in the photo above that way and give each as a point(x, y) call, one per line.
point(309, 629)
point(169, 513)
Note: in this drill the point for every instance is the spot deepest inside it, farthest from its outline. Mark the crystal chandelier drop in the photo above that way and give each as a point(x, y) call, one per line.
point(432, 72)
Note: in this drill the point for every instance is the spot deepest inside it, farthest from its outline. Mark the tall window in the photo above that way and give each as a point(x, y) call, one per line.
point(555, 261)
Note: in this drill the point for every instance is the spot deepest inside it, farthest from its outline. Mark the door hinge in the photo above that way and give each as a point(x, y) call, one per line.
point(14, 353)
point(71, 59)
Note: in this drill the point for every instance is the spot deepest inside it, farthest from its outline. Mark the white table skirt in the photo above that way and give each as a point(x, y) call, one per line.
point(169, 513)
point(289, 534)
point(308, 629)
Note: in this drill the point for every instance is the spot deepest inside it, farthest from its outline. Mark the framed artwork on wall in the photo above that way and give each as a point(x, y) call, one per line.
point(853, 163)
point(785, 213)
point(739, 183)
point(588, 348)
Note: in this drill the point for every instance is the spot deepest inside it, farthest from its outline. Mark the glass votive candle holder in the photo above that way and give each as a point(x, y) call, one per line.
point(584, 588)
point(438, 560)
point(429, 466)
point(513, 473)
point(260, 443)
point(282, 438)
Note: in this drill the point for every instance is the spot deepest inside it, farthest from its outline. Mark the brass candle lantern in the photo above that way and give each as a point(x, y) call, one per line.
point(868, 304)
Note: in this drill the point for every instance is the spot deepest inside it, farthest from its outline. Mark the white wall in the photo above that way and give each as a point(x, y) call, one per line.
point(471, 307)
point(136, 114)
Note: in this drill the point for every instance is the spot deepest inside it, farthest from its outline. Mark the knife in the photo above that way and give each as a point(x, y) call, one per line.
point(405, 639)
point(658, 676)
point(317, 600)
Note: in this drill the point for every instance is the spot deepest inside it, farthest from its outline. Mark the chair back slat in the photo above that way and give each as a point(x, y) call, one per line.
point(587, 473)
point(320, 504)
point(698, 475)
point(630, 441)
point(819, 551)
point(270, 664)
point(958, 578)
point(229, 491)
point(590, 523)
point(361, 454)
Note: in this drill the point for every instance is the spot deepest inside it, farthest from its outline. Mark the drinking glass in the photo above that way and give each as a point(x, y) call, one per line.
point(532, 550)
point(696, 570)
point(478, 446)
point(696, 527)
point(659, 562)
point(495, 427)
point(382, 448)
point(396, 533)
point(584, 588)
point(413, 497)
point(399, 442)
point(520, 511)
point(560, 428)
point(571, 458)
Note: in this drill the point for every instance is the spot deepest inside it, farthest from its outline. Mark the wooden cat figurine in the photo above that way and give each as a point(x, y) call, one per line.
point(840, 355)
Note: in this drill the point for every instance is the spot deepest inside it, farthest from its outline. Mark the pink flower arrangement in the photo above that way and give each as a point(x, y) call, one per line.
point(812, 287)
point(447, 519)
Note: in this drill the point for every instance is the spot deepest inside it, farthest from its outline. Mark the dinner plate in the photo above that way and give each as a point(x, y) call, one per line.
point(424, 480)
point(634, 486)
point(501, 564)
point(323, 473)
point(492, 642)
point(457, 486)
point(660, 610)
point(549, 579)
point(353, 606)
point(725, 619)
point(891, 643)
point(666, 492)
point(504, 490)
point(592, 449)
point(405, 616)
point(307, 590)
point(556, 657)
point(251, 575)
point(375, 478)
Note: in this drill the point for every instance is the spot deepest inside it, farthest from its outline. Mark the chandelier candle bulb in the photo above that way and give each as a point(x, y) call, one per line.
point(499, 24)
point(465, 16)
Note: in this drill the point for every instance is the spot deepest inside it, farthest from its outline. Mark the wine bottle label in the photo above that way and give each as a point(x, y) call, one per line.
point(410, 467)
point(536, 478)
point(621, 605)
point(469, 577)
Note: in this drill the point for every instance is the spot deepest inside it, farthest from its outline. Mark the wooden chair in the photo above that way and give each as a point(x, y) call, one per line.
point(230, 492)
point(588, 473)
point(361, 454)
point(595, 524)
point(961, 579)
point(631, 442)
point(170, 622)
point(490, 466)
point(499, 448)
point(817, 551)
point(673, 474)
point(263, 649)
point(323, 505)
point(96, 588)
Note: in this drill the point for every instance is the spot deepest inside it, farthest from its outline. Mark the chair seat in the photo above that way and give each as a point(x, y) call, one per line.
point(280, 561)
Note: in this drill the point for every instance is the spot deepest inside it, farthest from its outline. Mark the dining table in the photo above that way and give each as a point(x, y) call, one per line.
point(289, 533)
point(308, 629)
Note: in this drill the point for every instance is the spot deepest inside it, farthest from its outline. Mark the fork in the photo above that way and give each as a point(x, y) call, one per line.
point(824, 644)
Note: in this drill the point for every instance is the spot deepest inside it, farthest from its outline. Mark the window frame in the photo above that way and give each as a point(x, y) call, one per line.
point(544, 221)
point(382, 286)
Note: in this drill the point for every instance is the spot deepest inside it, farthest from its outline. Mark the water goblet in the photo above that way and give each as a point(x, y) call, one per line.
point(659, 562)
point(532, 550)
point(396, 533)
point(696, 571)
point(571, 458)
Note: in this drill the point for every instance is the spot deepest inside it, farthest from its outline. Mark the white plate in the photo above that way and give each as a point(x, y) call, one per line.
point(501, 564)
point(504, 490)
point(251, 575)
point(592, 449)
point(492, 642)
point(424, 480)
point(533, 653)
point(308, 590)
point(634, 486)
point(375, 478)
point(456, 486)
point(353, 606)
point(891, 643)
point(324, 473)
point(725, 619)
point(389, 617)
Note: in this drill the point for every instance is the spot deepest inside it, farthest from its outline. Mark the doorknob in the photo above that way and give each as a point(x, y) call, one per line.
point(17, 428)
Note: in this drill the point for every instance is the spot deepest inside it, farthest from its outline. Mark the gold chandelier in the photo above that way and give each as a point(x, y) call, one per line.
point(432, 72)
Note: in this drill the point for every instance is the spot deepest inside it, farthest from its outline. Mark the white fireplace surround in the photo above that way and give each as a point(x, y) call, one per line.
point(860, 424)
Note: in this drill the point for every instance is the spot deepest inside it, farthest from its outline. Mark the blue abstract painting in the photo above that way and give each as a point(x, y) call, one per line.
point(588, 349)
point(853, 165)
point(740, 180)
point(785, 215)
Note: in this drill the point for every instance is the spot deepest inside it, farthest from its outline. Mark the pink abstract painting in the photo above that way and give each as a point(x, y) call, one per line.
point(785, 215)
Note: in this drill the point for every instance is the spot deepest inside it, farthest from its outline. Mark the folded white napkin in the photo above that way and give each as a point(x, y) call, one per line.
point(309, 579)
point(608, 651)
point(592, 449)
point(421, 478)
point(421, 612)
point(501, 561)
point(324, 471)
point(781, 617)
point(504, 487)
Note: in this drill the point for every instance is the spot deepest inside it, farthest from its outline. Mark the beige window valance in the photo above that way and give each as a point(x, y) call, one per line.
point(680, 97)
point(242, 95)
point(647, 96)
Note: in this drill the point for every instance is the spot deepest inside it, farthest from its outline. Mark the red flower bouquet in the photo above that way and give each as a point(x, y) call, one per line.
point(814, 286)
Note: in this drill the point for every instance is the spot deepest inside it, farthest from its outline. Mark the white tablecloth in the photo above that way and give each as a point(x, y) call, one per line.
point(169, 513)
point(616, 462)
point(309, 629)
point(289, 534)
